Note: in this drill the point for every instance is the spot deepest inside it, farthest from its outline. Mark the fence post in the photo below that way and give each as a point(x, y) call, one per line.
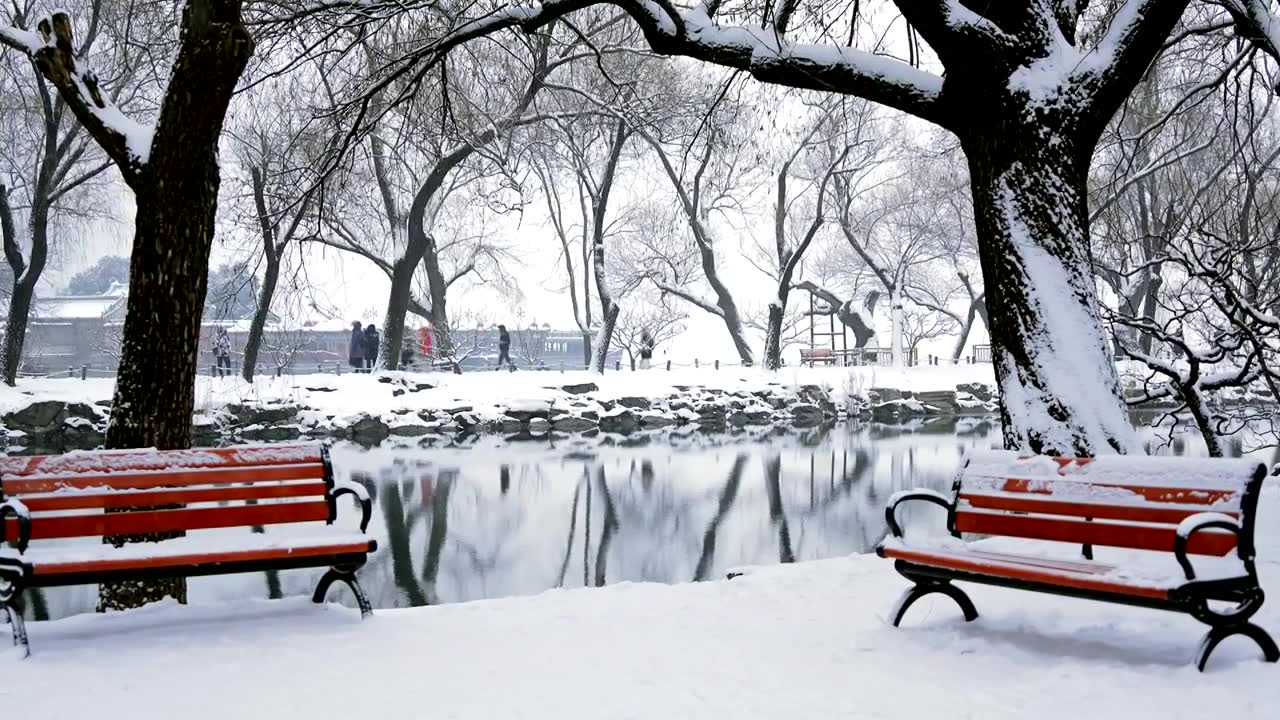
point(617, 365)
point(695, 363)
point(84, 372)
point(668, 366)
point(717, 364)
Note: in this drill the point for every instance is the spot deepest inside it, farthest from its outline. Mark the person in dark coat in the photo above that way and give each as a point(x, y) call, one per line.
point(355, 353)
point(370, 347)
point(222, 352)
point(646, 349)
point(504, 347)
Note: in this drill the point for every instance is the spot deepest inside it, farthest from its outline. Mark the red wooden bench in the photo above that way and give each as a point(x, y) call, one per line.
point(812, 356)
point(1161, 509)
point(216, 496)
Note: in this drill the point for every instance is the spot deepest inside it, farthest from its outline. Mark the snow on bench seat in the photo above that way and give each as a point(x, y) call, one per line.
point(52, 558)
point(1151, 574)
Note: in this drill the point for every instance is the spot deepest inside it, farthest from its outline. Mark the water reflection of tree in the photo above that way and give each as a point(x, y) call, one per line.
point(400, 521)
point(727, 496)
point(607, 533)
point(573, 527)
point(440, 494)
point(777, 515)
point(399, 526)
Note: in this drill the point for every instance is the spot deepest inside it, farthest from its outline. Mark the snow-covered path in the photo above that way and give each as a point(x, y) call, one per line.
point(800, 641)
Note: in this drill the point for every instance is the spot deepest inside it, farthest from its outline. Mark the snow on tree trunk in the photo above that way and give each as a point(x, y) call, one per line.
point(603, 337)
point(724, 300)
point(895, 335)
point(257, 327)
point(773, 335)
point(1059, 388)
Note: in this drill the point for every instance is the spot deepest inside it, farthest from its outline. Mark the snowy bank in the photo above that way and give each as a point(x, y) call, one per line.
point(70, 413)
point(800, 641)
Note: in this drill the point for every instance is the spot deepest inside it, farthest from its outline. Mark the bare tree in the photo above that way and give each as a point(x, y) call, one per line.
point(842, 146)
point(280, 148)
point(706, 168)
point(1208, 331)
point(47, 166)
point(647, 311)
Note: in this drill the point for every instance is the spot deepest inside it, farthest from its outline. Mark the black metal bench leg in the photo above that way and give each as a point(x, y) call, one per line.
point(349, 577)
point(18, 627)
point(919, 590)
point(1216, 635)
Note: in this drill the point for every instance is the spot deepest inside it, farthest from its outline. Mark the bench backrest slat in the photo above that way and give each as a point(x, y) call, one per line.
point(1131, 502)
point(181, 496)
point(161, 478)
point(142, 522)
point(150, 491)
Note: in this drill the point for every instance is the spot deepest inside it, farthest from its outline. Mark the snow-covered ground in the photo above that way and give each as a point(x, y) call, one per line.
point(801, 641)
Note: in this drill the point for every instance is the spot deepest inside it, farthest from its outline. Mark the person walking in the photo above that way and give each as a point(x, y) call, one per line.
point(222, 352)
point(355, 351)
point(646, 349)
point(370, 347)
point(504, 348)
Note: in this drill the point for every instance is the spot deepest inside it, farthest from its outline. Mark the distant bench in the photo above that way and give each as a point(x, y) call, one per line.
point(812, 356)
point(204, 492)
point(1170, 508)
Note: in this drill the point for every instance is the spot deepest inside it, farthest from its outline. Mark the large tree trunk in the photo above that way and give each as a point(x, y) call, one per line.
point(271, 252)
point(253, 343)
point(15, 333)
point(1059, 388)
point(439, 290)
point(895, 329)
point(773, 334)
point(603, 336)
point(724, 301)
point(397, 309)
point(966, 327)
point(177, 195)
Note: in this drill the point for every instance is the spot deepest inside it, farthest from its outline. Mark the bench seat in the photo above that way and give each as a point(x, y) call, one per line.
point(218, 549)
point(1141, 575)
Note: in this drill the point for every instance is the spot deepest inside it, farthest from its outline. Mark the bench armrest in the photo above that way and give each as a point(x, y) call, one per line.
point(891, 510)
point(15, 508)
point(1193, 524)
point(347, 487)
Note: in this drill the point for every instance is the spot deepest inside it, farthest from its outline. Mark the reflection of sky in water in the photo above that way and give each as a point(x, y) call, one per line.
point(494, 519)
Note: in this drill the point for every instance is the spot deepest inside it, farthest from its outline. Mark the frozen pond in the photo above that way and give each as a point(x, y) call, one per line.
point(495, 518)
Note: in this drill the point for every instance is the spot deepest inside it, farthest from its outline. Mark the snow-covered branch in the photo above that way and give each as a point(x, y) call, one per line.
point(694, 33)
point(52, 49)
point(689, 298)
